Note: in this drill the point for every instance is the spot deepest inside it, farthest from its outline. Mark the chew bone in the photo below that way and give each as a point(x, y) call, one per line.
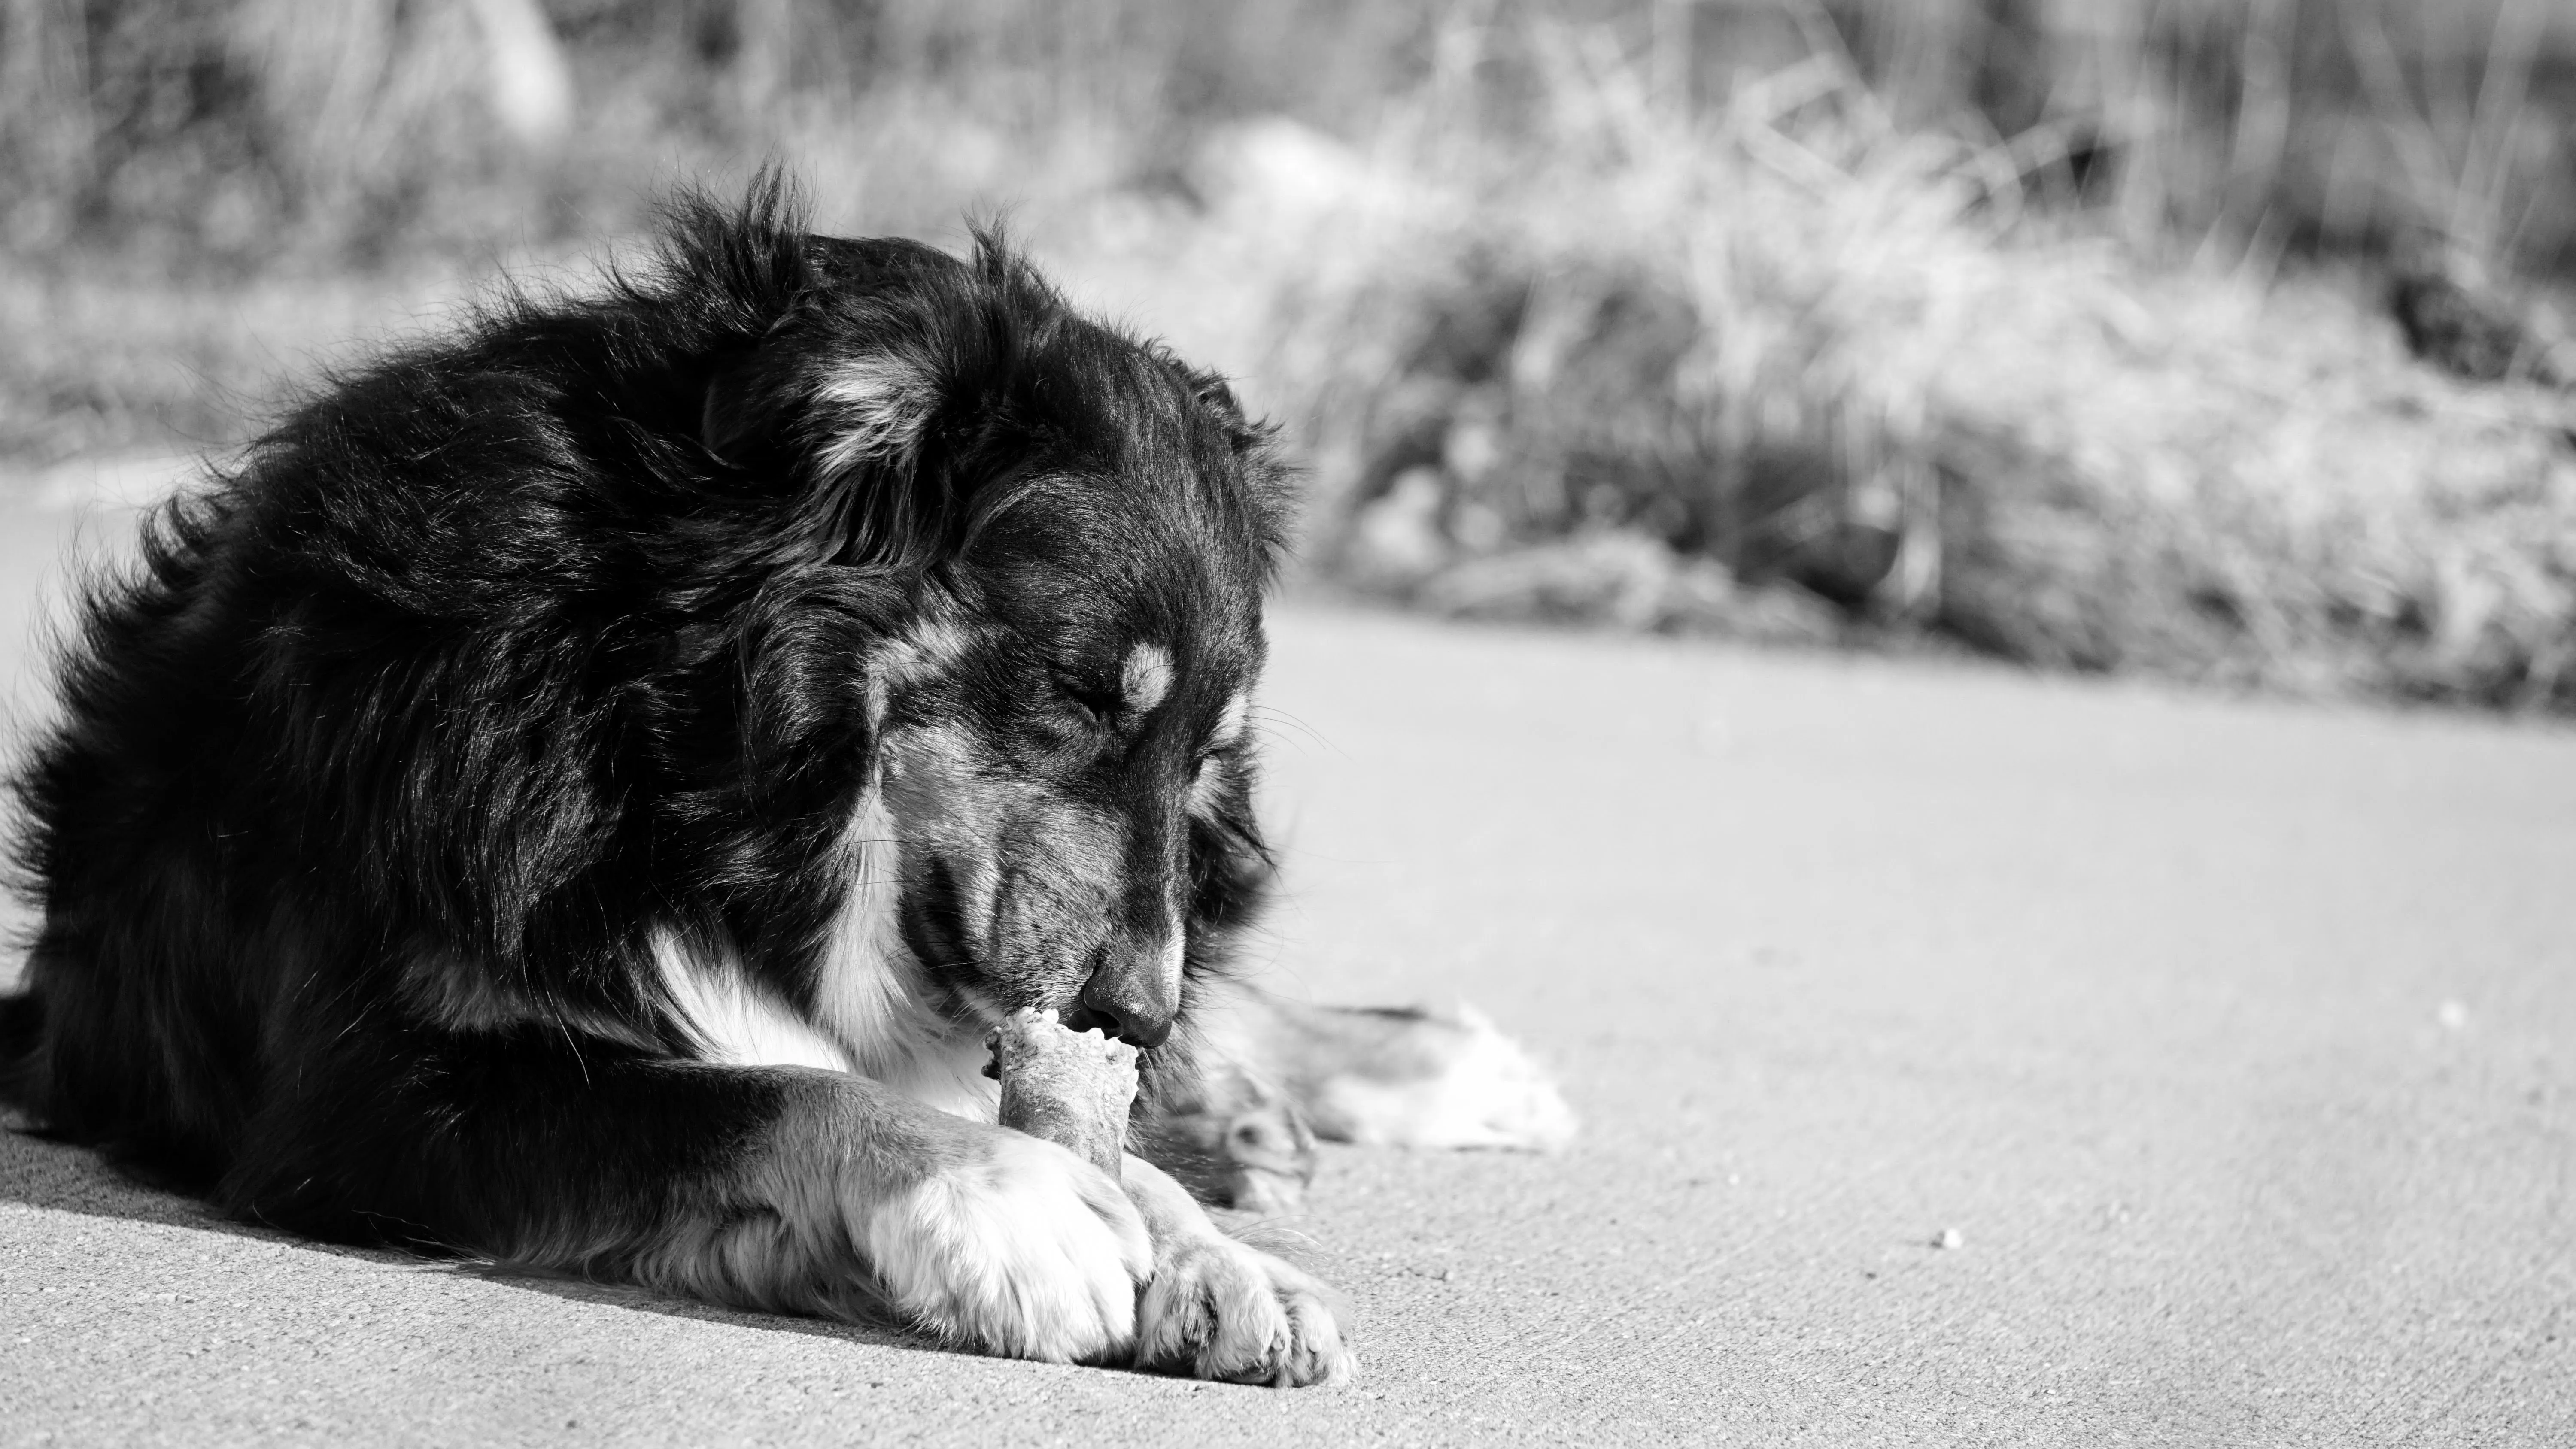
point(1072, 1088)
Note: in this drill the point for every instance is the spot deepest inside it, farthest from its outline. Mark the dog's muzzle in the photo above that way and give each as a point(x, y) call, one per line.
point(1134, 992)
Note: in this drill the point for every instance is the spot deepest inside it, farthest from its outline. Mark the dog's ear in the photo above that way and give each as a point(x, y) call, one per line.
point(870, 409)
point(880, 385)
point(833, 406)
point(884, 397)
point(844, 372)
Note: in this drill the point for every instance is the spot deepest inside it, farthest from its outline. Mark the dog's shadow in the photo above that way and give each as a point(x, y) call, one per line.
point(38, 1173)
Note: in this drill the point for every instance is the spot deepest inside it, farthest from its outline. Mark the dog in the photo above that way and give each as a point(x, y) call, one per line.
point(581, 793)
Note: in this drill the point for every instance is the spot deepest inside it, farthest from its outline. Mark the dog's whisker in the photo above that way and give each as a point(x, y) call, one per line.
point(1276, 721)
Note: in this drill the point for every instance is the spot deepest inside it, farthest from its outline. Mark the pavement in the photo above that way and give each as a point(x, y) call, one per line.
point(1965, 1058)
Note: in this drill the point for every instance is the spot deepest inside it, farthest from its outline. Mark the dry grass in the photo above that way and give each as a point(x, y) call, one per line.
point(1702, 372)
point(1571, 323)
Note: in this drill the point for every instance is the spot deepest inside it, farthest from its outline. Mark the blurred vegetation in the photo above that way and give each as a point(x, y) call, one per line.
point(2210, 339)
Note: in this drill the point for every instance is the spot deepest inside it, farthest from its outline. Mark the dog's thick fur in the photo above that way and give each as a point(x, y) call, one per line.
point(580, 794)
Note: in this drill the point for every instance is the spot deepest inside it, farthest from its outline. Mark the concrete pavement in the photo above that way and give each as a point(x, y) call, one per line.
point(2231, 1045)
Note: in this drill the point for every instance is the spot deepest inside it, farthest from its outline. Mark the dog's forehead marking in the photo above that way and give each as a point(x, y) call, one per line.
point(1146, 677)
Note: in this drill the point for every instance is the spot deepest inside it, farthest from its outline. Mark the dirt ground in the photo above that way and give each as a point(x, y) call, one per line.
point(1964, 1058)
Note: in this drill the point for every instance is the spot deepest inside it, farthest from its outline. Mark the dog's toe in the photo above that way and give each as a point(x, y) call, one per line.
point(1220, 1310)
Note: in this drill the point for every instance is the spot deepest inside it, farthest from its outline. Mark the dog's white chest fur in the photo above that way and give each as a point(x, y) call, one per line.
point(868, 1017)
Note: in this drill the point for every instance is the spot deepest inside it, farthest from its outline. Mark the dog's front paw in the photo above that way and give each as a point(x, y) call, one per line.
point(1025, 1250)
point(1219, 1310)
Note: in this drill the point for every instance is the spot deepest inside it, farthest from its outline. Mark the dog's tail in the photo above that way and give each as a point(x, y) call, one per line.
point(22, 1025)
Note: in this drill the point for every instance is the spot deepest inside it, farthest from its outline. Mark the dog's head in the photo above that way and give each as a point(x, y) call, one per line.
point(1080, 529)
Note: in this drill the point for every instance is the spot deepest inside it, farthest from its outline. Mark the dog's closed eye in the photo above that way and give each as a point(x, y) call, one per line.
point(1101, 704)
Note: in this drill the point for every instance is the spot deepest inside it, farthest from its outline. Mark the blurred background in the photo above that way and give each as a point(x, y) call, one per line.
point(2217, 341)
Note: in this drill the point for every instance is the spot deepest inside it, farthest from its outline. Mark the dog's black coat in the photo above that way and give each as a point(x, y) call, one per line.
point(372, 785)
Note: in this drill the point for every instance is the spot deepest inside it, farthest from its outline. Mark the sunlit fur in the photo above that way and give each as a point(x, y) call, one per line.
point(578, 793)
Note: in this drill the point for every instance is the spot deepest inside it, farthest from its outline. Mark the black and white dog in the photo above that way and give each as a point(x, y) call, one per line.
point(580, 795)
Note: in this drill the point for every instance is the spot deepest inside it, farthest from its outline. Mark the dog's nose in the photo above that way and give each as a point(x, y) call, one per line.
point(1134, 995)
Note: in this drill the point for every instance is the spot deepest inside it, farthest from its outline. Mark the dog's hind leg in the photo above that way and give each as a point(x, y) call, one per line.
point(782, 1188)
point(1407, 1076)
point(1276, 1075)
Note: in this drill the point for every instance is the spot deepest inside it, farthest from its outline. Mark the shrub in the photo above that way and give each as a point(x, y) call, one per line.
point(1789, 371)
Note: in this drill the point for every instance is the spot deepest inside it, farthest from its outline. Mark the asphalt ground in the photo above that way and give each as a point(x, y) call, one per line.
point(1965, 1058)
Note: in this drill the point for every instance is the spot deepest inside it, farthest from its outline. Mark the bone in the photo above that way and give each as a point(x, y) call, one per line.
point(1071, 1088)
